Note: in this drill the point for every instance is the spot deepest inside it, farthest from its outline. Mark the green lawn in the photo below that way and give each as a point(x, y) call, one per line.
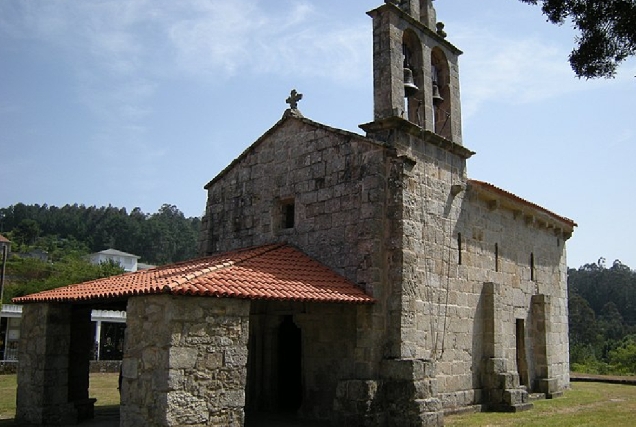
point(587, 404)
point(102, 386)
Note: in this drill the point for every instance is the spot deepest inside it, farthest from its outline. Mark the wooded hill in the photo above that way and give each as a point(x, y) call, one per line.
point(67, 234)
point(602, 318)
point(163, 237)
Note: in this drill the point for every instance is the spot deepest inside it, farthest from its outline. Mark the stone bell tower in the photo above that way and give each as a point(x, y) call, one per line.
point(415, 70)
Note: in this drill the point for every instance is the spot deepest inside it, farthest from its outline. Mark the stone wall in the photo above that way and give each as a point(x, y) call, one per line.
point(43, 371)
point(455, 241)
point(341, 187)
point(406, 224)
point(187, 363)
point(328, 355)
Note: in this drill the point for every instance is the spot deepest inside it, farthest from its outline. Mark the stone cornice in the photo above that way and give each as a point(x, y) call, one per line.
point(531, 213)
point(411, 128)
point(417, 24)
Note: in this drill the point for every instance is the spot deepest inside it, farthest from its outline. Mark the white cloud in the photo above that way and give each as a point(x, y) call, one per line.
point(209, 39)
point(242, 36)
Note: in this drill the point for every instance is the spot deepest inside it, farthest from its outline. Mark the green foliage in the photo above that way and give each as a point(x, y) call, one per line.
point(26, 232)
point(602, 318)
point(28, 275)
point(607, 32)
point(163, 237)
point(623, 357)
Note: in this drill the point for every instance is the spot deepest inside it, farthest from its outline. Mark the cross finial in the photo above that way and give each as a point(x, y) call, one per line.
point(293, 99)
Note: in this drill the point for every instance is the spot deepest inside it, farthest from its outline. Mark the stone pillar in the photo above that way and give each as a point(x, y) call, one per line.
point(388, 60)
point(410, 393)
point(502, 389)
point(43, 368)
point(540, 314)
point(185, 361)
point(358, 403)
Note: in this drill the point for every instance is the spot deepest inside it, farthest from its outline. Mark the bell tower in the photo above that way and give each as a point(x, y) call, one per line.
point(415, 70)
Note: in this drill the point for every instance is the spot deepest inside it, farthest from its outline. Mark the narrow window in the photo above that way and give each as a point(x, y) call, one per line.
point(532, 275)
point(496, 256)
point(289, 213)
point(522, 361)
point(459, 248)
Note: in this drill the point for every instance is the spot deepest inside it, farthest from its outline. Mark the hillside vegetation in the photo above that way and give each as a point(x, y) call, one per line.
point(67, 234)
point(602, 318)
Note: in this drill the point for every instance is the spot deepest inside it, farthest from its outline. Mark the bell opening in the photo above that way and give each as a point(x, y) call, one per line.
point(410, 89)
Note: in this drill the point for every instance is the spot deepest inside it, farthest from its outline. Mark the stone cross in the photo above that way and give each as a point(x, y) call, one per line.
point(293, 99)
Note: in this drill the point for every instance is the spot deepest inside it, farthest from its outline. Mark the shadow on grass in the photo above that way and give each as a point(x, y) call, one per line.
point(105, 416)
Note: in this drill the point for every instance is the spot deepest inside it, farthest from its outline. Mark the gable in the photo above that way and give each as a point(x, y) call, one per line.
point(287, 132)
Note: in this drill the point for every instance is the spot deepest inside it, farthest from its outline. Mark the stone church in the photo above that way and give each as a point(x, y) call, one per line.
point(363, 280)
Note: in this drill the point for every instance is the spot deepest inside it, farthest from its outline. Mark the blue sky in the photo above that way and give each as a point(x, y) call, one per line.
point(142, 102)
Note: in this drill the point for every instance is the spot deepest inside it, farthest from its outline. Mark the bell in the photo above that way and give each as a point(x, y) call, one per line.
point(409, 85)
point(437, 98)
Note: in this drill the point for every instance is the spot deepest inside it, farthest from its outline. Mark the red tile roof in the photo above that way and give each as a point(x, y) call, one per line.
point(274, 272)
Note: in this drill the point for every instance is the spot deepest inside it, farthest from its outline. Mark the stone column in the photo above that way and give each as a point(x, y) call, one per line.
point(541, 330)
point(502, 389)
point(43, 368)
point(185, 361)
point(410, 391)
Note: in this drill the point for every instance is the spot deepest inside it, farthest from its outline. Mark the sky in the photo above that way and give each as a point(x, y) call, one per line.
point(139, 103)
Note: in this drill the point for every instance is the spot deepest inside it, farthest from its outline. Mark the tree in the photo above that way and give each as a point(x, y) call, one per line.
point(30, 275)
point(607, 32)
point(26, 232)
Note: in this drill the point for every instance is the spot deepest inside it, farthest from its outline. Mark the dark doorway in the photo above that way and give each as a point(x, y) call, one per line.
point(289, 366)
point(522, 361)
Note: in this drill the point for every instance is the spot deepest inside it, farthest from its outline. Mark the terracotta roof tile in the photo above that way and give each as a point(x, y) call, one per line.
point(276, 272)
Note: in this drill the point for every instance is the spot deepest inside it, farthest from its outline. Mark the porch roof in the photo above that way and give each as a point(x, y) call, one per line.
point(273, 272)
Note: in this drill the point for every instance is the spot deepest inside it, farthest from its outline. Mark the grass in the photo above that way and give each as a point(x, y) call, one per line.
point(586, 404)
point(7, 396)
point(102, 386)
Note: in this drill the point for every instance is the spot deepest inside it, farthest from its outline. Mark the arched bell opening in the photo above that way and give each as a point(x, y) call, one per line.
point(440, 93)
point(413, 78)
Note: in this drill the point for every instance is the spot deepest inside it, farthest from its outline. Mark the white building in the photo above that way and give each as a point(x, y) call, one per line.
point(108, 327)
point(127, 261)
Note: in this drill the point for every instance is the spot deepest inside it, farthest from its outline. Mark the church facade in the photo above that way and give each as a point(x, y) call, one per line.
point(357, 279)
point(469, 280)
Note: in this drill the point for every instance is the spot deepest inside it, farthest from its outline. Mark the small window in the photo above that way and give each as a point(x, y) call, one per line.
point(459, 248)
point(289, 213)
point(496, 256)
point(532, 274)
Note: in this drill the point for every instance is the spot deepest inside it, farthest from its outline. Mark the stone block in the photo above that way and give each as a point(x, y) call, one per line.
point(182, 357)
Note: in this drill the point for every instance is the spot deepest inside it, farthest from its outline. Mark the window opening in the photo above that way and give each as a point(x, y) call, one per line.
point(522, 361)
point(496, 256)
point(289, 213)
point(459, 248)
point(532, 274)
